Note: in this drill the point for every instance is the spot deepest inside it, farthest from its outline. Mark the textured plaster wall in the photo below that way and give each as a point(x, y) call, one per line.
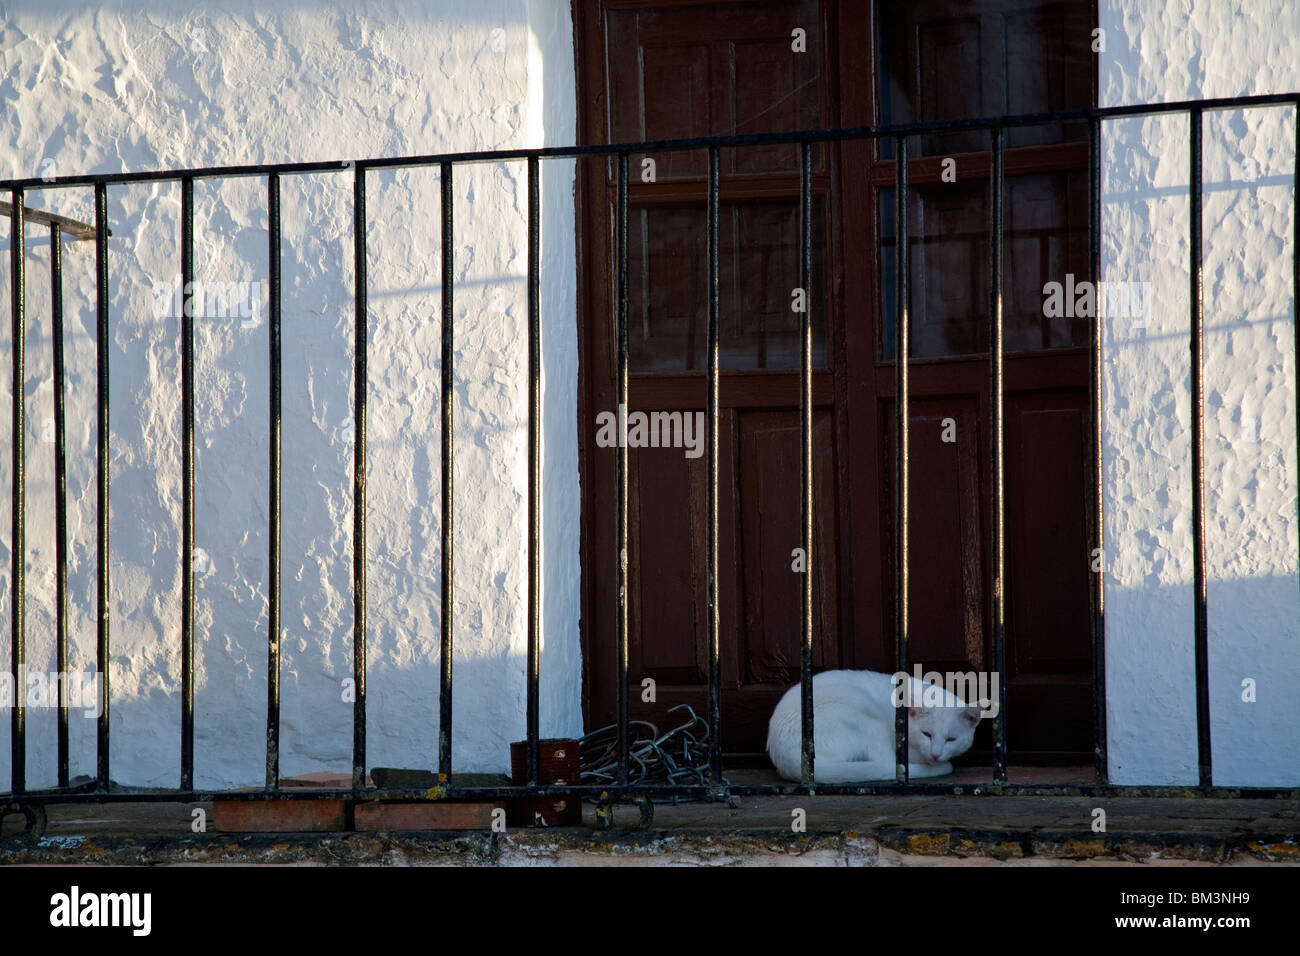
point(1159, 52)
point(166, 85)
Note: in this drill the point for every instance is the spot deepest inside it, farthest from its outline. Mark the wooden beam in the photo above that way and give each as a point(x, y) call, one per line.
point(72, 228)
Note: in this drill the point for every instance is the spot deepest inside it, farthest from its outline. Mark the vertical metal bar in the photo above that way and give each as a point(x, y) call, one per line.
point(18, 549)
point(534, 464)
point(187, 483)
point(60, 494)
point(711, 416)
point(448, 511)
point(620, 243)
point(102, 750)
point(998, 563)
point(805, 456)
point(902, 346)
point(1096, 505)
point(359, 386)
point(273, 534)
point(1198, 456)
point(1295, 278)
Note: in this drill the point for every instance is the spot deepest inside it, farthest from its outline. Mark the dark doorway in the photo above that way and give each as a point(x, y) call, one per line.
point(663, 70)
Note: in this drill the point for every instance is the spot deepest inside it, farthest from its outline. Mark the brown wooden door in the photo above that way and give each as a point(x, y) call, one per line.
point(944, 59)
point(660, 70)
point(691, 70)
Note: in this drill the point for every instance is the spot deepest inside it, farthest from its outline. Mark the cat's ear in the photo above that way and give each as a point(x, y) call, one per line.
point(916, 713)
point(972, 714)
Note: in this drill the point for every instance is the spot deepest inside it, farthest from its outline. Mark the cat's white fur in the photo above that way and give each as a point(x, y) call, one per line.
point(853, 729)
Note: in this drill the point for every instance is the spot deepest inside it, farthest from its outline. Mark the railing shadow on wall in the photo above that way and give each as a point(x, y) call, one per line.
point(102, 790)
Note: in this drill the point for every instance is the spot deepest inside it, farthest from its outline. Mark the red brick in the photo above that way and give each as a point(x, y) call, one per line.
point(545, 811)
point(559, 764)
point(423, 816)
point(279, 816)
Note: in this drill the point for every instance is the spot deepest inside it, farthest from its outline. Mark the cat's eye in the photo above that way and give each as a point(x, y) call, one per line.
point(951, 739)
point(925, 733)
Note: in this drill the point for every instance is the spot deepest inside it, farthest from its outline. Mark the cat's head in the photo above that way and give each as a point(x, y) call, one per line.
point(940, 733)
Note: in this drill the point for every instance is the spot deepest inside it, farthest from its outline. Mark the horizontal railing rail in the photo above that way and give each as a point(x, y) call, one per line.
point(101, 789)
point(829, 135)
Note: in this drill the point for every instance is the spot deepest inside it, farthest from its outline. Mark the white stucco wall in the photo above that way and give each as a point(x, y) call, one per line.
point(159, 85)
point(1158, 52)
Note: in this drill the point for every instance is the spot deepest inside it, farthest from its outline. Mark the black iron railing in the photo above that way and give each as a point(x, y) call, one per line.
point(32, 802)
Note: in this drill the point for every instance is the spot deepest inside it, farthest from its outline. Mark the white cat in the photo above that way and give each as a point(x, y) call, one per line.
point(853, 729)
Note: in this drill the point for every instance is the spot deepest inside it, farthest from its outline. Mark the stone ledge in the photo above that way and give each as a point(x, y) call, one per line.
point(911, 830)
point(582, 846)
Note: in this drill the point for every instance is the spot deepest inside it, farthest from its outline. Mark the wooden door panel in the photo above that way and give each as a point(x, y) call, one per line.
point(666, 538)
point(1048, 676)
point(944, 49)
point(667, 528)
point(772, 91)
point(947, 564)
point(1048, 66)
point(1045, 239)
point(739, 74)
point(948, 272)
point(680, 106)
point(770, 485)
point(1049, 668)
point(666, 284)
point(761, 250)
point(758, 267)
point(1047, 556)
point(948, 59)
